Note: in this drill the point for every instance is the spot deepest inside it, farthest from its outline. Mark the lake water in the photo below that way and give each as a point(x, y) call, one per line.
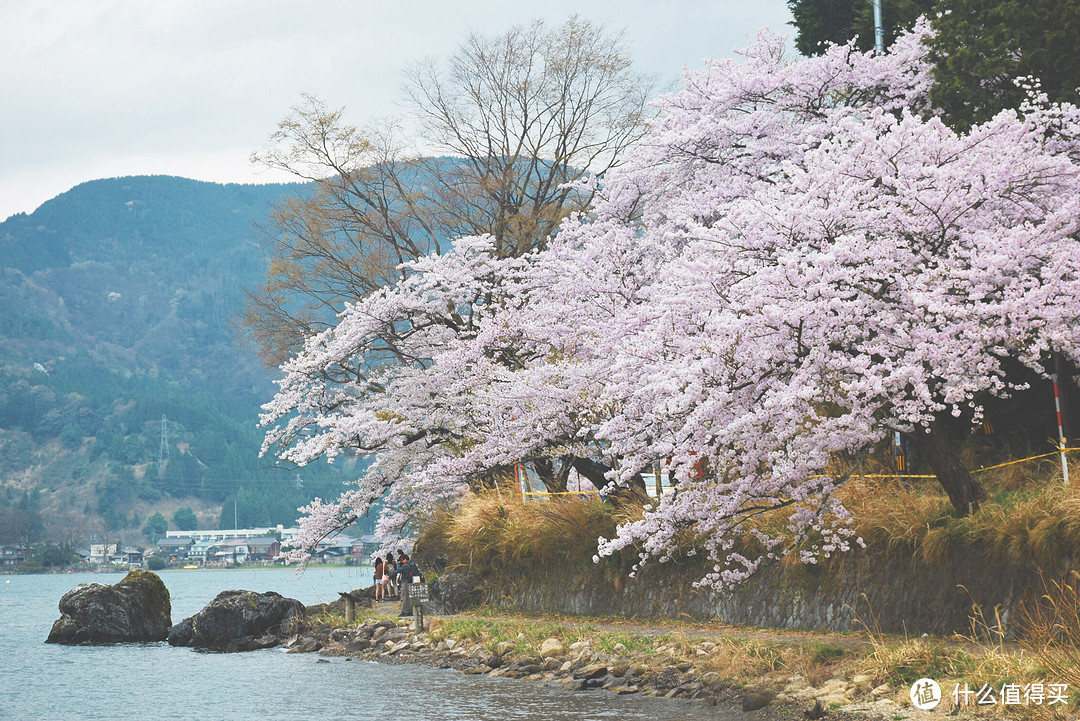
point(156, 681)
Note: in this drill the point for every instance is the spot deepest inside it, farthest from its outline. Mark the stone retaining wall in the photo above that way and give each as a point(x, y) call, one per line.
point(890, 594)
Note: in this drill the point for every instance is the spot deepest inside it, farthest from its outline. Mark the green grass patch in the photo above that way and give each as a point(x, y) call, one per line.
point(822, 653)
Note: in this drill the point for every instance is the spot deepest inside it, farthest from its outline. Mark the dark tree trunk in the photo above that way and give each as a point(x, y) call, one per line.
point(555, 481)
point(966, 493)
point(594, 472)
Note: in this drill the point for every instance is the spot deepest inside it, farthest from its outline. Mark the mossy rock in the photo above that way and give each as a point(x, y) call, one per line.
point(239, 621)
point(137, 608)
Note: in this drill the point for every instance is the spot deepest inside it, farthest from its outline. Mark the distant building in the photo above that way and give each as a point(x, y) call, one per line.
point(256, 549)
point(10, 556)
point(131, 557)
point(369, 544)
point(225, 534)
point(174, 550)
point(100, 553)
point(233, 550)
point(339, 548)
point(198, 551)
point(263, 548)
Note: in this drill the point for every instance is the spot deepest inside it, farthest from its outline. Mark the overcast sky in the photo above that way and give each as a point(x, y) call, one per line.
point(103, 88)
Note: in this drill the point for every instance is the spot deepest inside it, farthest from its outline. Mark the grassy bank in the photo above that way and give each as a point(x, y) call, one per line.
point(1030, 519)
point(850, 675)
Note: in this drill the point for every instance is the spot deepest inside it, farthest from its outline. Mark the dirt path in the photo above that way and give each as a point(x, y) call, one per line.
point(712, 630)
point(387, 608)
point(702, 630)
point(690, 629)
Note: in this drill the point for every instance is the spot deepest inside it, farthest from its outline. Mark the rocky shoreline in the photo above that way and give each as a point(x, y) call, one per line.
point(579, 666)
point(711, 668)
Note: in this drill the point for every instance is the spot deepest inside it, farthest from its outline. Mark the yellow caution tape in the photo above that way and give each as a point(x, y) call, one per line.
point(981, 469)
point(557, 493)
point(1022, 460)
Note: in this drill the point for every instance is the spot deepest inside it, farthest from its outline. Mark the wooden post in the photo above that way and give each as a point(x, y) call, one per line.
point(350, 606)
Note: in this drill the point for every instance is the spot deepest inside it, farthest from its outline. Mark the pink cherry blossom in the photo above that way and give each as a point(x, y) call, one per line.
point(798, 259)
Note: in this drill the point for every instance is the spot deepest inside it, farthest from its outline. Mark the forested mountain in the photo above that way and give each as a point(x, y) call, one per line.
point(117, 307)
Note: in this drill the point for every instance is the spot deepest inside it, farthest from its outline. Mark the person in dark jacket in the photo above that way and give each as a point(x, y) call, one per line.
point(409, 574)
point(408, 571)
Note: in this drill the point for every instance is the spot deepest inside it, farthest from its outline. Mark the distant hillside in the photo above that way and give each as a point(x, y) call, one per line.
point(117, 304)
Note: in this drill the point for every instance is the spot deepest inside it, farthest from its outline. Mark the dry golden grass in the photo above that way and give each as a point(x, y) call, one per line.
point(741, 662)
point(493, 531)
point(1030, 519)
point(1051, 626)
point(1037, 524)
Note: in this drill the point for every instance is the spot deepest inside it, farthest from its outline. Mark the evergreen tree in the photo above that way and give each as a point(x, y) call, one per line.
point(155, 527)
point(980, 47)
point(821, 22)
point(184, 519)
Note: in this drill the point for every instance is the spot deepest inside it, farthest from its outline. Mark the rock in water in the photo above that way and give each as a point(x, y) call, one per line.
point(135, 609)
point(239, 621)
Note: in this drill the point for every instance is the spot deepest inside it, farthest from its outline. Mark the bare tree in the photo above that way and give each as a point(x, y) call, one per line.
point(344, 234)
point(527, 111)
point(513, 119)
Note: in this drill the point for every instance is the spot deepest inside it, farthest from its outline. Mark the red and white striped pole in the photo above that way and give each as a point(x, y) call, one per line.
point(1061, 431)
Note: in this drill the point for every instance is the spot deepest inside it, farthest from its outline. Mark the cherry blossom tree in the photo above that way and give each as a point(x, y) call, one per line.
point(867, 269)
point(880, 286)
point(444, 391)
point(434, 380)
point(796, 261)
point(371, 385)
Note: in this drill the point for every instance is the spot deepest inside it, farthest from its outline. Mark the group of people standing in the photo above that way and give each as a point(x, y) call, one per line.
point(388, 571)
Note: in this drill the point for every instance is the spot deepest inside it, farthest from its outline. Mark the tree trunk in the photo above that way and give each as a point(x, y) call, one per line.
point(964, 491)
point(554, 480)
point(594, 472)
